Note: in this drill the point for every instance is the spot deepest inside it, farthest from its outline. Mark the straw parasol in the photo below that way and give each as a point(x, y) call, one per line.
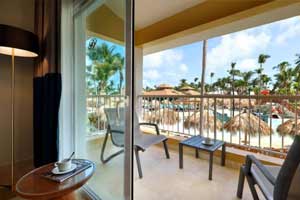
point(189, 90)
point(289, 128)
point(162, 116)
point(163, 90)
point(245, 103)
point(223, 102)
point(166, 101)
point(248, 123)
point(194, 121)
point(154, 104)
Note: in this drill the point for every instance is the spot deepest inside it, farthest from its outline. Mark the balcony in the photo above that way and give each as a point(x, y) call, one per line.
point(255, 131)
point(163, 179)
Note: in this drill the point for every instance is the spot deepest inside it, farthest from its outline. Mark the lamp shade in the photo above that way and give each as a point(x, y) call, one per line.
point(24, 43)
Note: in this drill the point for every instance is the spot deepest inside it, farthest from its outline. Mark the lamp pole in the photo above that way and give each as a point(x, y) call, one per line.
point(16, 42)
point(12, 115)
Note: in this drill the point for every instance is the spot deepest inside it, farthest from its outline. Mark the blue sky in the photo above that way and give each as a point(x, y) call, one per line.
point(118, 49)
point(280, 40)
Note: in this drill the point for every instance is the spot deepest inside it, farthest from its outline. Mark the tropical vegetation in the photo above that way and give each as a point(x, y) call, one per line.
point(105, 63)
point(286, 80)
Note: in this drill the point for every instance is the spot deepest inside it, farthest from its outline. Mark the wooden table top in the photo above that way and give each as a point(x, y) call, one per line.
point(34, 186)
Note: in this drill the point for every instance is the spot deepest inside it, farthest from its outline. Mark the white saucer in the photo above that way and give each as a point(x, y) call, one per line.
point(210, 143)
point(57, 172)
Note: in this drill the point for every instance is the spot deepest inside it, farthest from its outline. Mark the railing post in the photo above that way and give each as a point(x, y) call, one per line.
point(215, 119)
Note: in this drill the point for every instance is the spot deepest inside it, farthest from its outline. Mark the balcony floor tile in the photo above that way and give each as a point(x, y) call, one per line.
point(164, 180)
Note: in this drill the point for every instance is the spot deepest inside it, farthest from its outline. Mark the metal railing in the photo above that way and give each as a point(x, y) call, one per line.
point(95, 105)
point(246, 122)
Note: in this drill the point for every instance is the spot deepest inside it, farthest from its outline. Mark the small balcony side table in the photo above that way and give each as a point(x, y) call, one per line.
point(196, 142)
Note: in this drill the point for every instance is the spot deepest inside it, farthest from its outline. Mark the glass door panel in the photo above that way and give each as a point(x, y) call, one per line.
point(100, 85)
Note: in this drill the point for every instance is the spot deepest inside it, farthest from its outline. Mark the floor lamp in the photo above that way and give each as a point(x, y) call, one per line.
point(16, 42)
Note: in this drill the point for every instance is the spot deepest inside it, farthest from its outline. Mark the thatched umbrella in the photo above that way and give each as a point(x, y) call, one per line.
point(189, 90)
point(166, 102)
point(244, 103)
point(289, 128)
point(224, 102)
point(247, 123)
point(155, 104)
point(208, 121)
point(163, 90)
point(194, 101)
point(162, 116)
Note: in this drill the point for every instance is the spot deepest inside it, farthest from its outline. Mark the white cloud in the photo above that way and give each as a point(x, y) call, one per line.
point(183, 68)
point(164, 58)
point(164, 67)
point(151, 74)
point(237, 47)
point(247, 64)
point(288, 29)
point(153, 60)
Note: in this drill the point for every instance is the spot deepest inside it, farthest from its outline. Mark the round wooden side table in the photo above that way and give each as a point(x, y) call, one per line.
point(34, 186)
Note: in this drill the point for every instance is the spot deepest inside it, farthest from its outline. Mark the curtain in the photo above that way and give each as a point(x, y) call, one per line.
point(47, 82)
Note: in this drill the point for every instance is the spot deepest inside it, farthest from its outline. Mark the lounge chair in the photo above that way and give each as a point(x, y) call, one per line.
point(275, 182)
point(116, 126)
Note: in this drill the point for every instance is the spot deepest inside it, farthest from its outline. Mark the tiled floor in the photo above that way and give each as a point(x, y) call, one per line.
point(165, 181)
point(162, 180)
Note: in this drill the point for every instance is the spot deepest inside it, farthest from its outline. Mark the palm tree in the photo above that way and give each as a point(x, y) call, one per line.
point(233, 72)
point(296, 73)
point(283, 78)
point(183, 82)
point(212, 74)
point(195, 84)
point(265, 80)
point(105, 64)
point(119, 62)
point(246, 81)
point(262, 59)
point(222, 85)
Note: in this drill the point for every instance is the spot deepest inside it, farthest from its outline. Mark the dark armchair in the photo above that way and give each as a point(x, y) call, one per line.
point(275, 182)
point(116, 119)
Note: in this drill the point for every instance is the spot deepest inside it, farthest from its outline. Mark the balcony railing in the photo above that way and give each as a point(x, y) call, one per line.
point(95, 105)
point(245, 122)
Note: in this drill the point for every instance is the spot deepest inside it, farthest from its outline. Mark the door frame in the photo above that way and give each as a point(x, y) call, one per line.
point(67, 141)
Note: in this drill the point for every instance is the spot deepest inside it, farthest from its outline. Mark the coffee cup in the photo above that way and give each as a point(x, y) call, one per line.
point(207, 140)
point(63, 165)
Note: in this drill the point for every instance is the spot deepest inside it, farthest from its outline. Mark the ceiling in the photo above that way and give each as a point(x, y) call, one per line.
point(148, 12)
point(155, 19)
point(117, 7)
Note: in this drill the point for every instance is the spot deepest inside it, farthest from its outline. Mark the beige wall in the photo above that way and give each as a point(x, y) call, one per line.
point(19, 13)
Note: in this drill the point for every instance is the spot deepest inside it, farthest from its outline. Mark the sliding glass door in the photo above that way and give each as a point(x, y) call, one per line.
point(102, 93)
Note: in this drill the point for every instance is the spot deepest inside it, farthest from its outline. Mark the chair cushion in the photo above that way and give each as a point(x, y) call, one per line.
point(118, 139)
point(146, 140)
point(141, 140)
point(266, 187)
